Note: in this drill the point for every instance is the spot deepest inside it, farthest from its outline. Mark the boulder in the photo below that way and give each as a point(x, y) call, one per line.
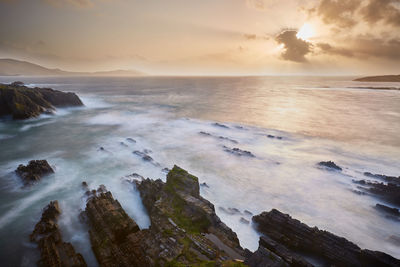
point(34, 171)
point(288, 237)
point(53, 251)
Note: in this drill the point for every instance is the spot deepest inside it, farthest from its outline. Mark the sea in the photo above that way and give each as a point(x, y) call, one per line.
point(289, 124)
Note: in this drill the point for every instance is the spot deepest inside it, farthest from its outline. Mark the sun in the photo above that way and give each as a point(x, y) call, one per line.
point(306, 32)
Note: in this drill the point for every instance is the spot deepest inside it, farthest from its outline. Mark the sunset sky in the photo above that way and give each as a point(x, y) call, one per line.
point(205, 37)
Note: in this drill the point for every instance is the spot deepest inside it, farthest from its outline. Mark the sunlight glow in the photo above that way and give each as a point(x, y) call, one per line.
point(306, 32)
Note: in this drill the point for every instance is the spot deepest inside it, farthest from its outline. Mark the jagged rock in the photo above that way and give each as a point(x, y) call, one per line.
point(21, 102)
point(388, 210)
point(390, 192)
point(392, 179)
point(53, 251)
point(220, 125)
point(146, 157)
point(249, 213)
point(330, 165)
point(238, 152)
point(34, 171)
point(219, 137)
point(288, 236)
point(205, 185)
point(184, 223)
point(131, 140)
point(243, 220)
point(115, 237)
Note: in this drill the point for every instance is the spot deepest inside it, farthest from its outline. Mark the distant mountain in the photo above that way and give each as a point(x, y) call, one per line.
point(383, 78)
point(12, 67)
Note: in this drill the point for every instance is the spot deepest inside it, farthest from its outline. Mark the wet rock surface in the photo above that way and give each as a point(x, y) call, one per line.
point(386, 178)
point(53, 251)
point(238, 152)
point(289, 239)
point(390, 192)
point(34, 171)
point(219, 137)
point(115, 237)
point(388, 210)
point(330, 165)
point(21, 102)
point(184, 227)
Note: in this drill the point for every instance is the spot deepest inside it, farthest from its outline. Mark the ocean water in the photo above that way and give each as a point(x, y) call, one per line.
point(316, 118)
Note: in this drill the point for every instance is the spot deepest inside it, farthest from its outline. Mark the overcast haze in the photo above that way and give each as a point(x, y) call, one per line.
point(207, 37)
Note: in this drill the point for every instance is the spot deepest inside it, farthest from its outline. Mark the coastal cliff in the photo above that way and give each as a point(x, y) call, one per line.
point(21, 102)
point(185, 231)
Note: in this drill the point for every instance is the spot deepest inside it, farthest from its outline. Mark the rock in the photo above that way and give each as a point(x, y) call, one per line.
point(131, 140)
point(85, 185)
point(145, 157)
point(53, 251)
point(263, 257)
point(390, 192)
point(205, 133)
point(205, 185)
point(249, 213)
point(219, 137)
point(34, 171)
point(135, 176)
point(123, 144)
point(220, 125)
point(166, 170)
point(184, 227)
point(115, 237)
point(388, 210)
point(228, 139)
point(330, 165)
point(238, 152)
point(287, 237)
point(392, 179)
point(21, 102)
point(243, 220)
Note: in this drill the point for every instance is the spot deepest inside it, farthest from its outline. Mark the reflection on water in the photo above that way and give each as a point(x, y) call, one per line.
point(317, 118)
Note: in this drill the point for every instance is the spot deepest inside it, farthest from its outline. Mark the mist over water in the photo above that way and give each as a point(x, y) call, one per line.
point(318, 119)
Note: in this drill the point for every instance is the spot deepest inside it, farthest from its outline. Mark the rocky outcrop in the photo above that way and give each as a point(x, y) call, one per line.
point(34, 171)
point(53, 251)
point(179, 214)
point(21, 102)
point(184, 231)
point(238, 152)
point(289, 239)
point(330, 165)
point(389, 192)
point(386, 178)
point(115, 237)
point(390, 211)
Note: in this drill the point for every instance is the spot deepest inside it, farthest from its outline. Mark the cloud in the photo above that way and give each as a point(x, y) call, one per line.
point(364, 47)
point(348, 13)
point(339, 12)
point(295, 49)
point(382, 10)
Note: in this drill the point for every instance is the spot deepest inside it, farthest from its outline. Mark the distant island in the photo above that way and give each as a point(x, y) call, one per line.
point(383, 78)
point(12, 67)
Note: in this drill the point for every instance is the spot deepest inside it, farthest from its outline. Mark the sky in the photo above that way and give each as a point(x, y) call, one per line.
point(205, 37)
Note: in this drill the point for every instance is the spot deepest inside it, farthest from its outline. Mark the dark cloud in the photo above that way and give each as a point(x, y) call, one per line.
point(339, 12)
point(329, 49)
point(382, 10)
point(364, 47)
point(348, 13)
point(295, 49)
